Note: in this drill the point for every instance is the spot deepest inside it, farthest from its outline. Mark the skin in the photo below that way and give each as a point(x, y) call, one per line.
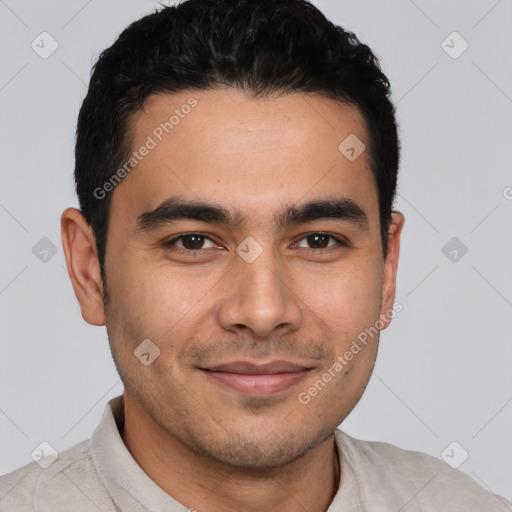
point(207, 445)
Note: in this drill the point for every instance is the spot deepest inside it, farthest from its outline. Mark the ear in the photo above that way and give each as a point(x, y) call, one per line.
point(390, 267)
point(79, 246)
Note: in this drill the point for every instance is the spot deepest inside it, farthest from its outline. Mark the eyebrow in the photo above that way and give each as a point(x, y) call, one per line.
point(174, 209)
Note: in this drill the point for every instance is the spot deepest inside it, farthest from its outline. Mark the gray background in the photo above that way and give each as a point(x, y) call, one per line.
point(443, 371)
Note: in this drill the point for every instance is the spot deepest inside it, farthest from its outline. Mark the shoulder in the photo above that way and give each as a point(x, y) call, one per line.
point(47, 484)
point(413, 480)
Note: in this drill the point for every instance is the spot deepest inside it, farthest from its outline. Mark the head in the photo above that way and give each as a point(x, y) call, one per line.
point(222, 218)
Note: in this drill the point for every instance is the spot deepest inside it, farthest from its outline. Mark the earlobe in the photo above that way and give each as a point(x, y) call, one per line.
point(78, 243)
point(390, 268)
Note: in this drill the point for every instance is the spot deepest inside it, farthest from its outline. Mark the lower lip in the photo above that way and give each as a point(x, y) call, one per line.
point(258, 385)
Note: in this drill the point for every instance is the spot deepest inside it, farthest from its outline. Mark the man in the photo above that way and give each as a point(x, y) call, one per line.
point(236, 166)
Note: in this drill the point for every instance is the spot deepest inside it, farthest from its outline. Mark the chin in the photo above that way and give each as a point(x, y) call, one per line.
point(244, 451)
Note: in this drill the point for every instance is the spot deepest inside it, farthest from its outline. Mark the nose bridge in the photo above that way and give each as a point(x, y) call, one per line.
point(259, 293)
point(266, 282)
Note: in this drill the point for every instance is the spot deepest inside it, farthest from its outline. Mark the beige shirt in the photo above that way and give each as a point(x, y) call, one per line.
point(100, 475)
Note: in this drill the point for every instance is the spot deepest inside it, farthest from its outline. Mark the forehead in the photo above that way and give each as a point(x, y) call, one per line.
point(252, 155)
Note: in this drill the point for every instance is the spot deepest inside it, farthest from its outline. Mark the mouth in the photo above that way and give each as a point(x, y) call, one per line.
point(257, 380)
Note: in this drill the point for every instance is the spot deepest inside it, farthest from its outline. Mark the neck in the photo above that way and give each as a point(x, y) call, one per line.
point(308, 483)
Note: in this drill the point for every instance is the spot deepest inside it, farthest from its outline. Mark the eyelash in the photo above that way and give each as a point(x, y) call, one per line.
point(198, 252)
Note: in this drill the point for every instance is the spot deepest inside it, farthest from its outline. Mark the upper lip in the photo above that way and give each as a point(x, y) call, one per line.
point(250, 368)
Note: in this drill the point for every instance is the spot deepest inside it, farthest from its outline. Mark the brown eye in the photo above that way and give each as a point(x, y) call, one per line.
point(192, 241)
point(189, 242)
point(316, 241)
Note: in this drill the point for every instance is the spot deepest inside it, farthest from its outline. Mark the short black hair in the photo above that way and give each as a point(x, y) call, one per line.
point(261, 47)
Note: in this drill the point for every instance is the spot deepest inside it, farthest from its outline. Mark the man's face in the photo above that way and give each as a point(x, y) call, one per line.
point(267, 287)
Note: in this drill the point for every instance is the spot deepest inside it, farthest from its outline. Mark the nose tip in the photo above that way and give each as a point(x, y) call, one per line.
point(261, 331)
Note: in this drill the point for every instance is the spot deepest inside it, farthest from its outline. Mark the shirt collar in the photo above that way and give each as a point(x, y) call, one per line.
point(125, 480)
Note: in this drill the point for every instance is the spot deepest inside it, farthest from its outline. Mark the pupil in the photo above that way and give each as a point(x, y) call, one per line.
point(318, 240)
point(194, 239)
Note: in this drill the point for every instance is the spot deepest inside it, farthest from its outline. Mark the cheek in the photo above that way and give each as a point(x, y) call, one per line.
point(347, 300)
point(351, 386)
point(157, 302)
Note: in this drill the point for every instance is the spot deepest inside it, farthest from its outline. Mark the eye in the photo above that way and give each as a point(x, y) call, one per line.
point(194, 243)
point(321, 241)
point(189, 242)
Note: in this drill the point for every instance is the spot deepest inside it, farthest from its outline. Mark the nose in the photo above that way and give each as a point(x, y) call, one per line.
point(259, 297)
